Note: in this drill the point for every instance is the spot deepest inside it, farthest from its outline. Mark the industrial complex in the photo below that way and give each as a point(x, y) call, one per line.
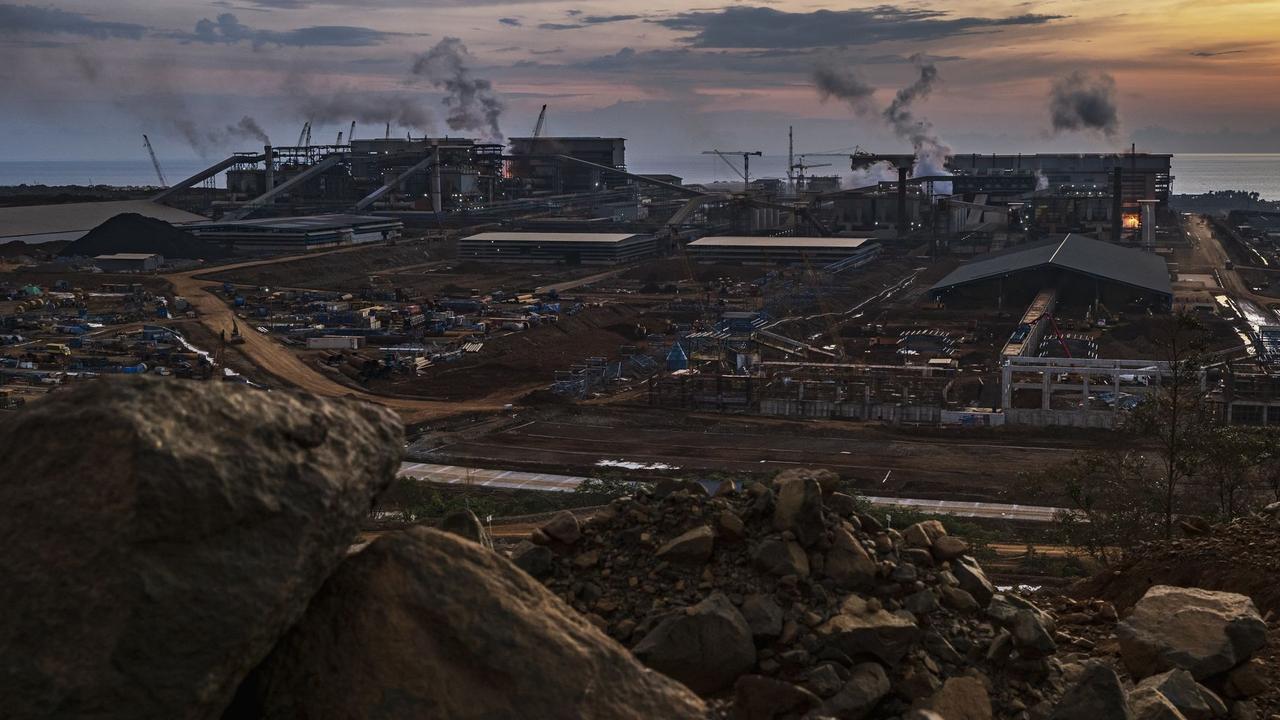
point(447, 276)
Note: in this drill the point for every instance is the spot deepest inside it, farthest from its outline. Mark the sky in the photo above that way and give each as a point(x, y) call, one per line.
point(83, 79)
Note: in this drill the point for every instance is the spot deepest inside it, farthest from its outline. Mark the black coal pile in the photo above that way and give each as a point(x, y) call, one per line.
point(134, 233)
point(783, 600)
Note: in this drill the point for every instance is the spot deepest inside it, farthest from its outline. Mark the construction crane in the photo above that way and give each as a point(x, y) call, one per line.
point(352, 135)
point(745, 172)
point(542, 121)
point(154, 162)
point(801, 167)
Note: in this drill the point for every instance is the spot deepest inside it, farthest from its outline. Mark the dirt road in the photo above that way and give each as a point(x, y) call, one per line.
point(272, 357)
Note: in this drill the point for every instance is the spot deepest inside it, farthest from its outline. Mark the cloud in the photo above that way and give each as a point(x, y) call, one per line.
point(762, 27)
point(228, 29)
point(1212, 53)
point(600, 19)
point(581, 21)
point(31, 19)
point(559, 26)
point(843, 84)
point(513, 22)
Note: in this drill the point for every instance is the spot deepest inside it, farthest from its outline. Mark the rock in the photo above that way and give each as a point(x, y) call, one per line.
point(867, 685)
point(923, 534)
point(841, 504)
point(1096, 695)
point(799, 509)
point(949, 547)
point(1244, 710)
point(957, 599)
point(847, 562)
point(730, 527)
point(421, 623)
point(972, 580)
point(464, 523)
point(921, 603)
point(537, 560)
point(1194, 701)
point(692, 547)
point(764, 617)
point(563, 527)
point(781, 558)
point(960, 698)
point(669, 486)
point(823, 680)
point(756, 697)
point(1247, 680)
point(1201, 631)
point(1030, 635)
point(706, 647)
point(161, 536)
point(884, 635)
point(588, 559)
point(1151, 705)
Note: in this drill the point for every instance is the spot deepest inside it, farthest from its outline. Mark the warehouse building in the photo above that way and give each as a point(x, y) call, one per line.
point(128, 262)
point(569, 248)
point(300, 234)
point(851, 252)
point(1076, 266)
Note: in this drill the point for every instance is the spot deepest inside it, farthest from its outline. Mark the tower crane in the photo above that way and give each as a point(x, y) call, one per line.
point(542, 121)
point(801, 167)
point(154, 162)
point(745, 173)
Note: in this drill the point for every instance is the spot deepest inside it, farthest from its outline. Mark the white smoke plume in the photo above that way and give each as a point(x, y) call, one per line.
point(931, 152)
point(471, 101)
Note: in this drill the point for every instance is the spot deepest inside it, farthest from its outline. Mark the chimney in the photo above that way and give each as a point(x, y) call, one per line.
point(1117, 205)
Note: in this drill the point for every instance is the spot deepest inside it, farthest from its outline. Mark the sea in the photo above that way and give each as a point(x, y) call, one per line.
point(1193, 173)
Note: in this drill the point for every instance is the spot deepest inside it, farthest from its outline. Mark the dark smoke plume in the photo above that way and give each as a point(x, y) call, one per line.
point(843, 85)
point(400, 110)
point(931, 152)
point(1083, 101)
point(248, 128)
point(471, 101)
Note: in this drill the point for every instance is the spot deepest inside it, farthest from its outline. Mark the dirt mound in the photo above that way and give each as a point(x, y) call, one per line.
point(1242, 556)
point(782, 599)
point(134, 233)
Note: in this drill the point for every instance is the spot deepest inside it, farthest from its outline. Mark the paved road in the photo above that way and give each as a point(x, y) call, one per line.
point(514, 479)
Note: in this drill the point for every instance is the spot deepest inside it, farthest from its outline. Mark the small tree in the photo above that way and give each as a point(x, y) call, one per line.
point(1113, 503)
point(1178, 417)
point(1238, 464)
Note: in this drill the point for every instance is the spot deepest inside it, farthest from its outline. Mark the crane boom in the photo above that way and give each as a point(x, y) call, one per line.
point(542, 120)
point(352, 134)
point(302, 136)
point(154, 162)
point(745, 172)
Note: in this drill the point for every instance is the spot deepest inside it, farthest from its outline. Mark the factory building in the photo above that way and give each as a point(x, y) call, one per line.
point(1076, 267)
point(784, 250)
point(568, 248)
point(299, 234)
point(1144, 176)
point(538, 161)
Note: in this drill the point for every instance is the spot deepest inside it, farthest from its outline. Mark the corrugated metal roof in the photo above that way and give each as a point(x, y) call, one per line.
point(1074, 252)
point(780, 242)
point(67, 219)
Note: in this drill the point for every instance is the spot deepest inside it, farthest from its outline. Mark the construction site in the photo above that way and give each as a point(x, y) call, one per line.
point(531, 304)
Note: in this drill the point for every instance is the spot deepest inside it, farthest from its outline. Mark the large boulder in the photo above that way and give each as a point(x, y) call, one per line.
point(1096, 694)
point(756, 697)
point(799, 508)
point(424, 624)
point(960, 698)
point(884, 635)
point(706, 646)
point(972, 579)
point(1193, 700)
point(159, 537)
point(1201, 631)
point(867, 685)
point(847, 563)
point(781, 558)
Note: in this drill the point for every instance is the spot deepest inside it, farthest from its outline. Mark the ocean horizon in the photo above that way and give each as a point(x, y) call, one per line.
point(1194, 173)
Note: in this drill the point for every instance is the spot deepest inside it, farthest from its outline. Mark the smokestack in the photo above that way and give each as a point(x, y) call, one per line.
point(1117, 205)
point(903, 172)
point(268, 157)
point(435, 178)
